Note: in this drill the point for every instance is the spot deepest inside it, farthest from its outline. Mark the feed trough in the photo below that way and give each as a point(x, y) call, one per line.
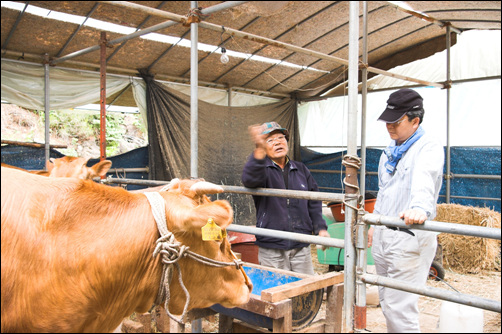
point(275, 287)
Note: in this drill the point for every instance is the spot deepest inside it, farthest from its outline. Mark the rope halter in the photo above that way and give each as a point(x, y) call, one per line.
point(172, 251)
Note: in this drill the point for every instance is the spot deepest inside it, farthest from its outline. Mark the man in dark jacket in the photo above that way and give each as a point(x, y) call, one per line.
point(270, 167)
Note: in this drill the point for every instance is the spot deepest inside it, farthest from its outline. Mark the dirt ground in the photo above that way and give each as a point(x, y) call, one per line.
point(486, 285)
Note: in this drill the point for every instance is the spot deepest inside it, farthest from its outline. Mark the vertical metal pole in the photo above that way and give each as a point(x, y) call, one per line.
point(364, 88)
point(102, 98)
point(361, 230)
point(448, 87)
point(194, 103)
point(47, 110)
point(351, 172)
point(229, 96)
point(194, 116)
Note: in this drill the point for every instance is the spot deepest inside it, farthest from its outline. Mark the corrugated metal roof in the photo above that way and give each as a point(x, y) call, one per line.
point(395, 37)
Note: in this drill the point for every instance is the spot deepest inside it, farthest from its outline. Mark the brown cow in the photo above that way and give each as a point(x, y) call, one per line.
point(77, 255)
point(77, 167)
point(71, 167)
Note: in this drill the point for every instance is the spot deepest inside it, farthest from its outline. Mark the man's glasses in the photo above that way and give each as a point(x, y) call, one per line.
point(279, 139)
point(398, 122)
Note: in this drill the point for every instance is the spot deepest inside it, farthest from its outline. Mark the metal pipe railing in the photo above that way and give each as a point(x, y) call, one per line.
point(430, 225)
point(129, 170)
point(457, 297)
point(452, 175)
point(300, 194)
point(369, 218)
point(306, 238)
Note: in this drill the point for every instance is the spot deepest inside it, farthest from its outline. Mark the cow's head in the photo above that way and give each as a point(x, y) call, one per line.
point(188, 210)
point(76, 167)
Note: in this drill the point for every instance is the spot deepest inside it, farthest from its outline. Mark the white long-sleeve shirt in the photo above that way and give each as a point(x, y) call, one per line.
point(415, 183)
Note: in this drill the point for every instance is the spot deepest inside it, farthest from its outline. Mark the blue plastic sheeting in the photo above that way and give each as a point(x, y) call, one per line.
point(32, 158)
point(262, 279)
point(464, 160)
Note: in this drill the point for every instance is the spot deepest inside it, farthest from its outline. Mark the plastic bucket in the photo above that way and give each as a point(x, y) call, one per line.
point(338, 209)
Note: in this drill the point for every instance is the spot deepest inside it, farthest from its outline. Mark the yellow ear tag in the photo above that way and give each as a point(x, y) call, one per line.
point(211, 231)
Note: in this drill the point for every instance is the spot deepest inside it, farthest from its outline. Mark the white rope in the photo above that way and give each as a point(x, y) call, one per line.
point(171, 251)
point(158, 210)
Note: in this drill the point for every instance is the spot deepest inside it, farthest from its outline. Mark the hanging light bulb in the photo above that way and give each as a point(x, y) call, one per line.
point(224, 58)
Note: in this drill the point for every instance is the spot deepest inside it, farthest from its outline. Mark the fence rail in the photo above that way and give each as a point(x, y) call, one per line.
point(445, 227)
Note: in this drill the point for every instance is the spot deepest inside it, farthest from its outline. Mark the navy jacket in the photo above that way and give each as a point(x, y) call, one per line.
point(279, 213)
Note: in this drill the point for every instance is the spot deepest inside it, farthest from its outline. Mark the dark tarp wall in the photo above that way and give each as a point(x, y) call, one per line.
point(223, 140)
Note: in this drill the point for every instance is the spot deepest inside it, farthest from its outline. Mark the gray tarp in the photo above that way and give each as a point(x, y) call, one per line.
point(224, 142)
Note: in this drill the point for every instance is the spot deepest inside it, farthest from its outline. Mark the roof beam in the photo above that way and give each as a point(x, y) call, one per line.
point(117, 49)
point(223, 43)
point(425, 17)
point(263, 40)
point(278, 36)
point(11, 32)
point(77, 30)
point(304, 46)
point(159, 26)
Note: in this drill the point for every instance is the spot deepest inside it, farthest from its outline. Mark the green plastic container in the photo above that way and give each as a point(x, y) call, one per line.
point(336, 256)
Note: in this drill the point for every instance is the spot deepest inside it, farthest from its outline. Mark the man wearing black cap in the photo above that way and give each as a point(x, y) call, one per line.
point(270, 167)
point(410, 175)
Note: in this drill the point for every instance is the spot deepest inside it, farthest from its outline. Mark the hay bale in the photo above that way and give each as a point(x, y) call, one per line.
point(465, 254)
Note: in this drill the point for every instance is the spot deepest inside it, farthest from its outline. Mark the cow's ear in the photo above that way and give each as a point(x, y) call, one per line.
point(221, 211)
point(185, 218)
point(102, 167)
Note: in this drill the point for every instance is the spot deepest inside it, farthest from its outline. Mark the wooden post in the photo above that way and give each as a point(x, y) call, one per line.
point(334, 303)
point(225, 324)
point(284, 324)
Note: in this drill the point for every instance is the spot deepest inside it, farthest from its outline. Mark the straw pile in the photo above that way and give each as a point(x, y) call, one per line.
point(465, 254)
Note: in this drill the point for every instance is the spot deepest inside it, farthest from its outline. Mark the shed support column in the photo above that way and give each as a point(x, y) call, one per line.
point(352, 189)
point(361, 230)
point(448, 87)
point(194, 103)
point(47, 110)
point(102, 99)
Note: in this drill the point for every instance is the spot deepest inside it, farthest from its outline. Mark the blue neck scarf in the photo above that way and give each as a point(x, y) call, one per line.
point(394, 153)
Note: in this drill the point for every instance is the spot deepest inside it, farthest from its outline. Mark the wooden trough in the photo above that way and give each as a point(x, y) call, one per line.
point(276, 307)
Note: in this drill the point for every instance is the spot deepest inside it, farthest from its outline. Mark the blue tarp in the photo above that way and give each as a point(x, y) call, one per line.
point(27, 157)
point(464, 160)
point(34, 158)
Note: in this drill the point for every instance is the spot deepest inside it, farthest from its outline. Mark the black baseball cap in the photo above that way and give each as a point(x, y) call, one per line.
point(399, 103)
